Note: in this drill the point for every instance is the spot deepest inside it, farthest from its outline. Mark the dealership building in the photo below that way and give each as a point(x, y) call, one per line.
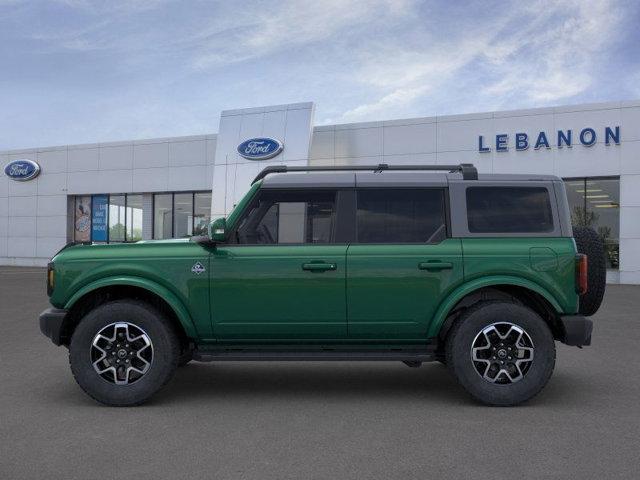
point(171, 187)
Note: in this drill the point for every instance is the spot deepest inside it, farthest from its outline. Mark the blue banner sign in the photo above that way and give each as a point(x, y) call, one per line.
point(99, 208)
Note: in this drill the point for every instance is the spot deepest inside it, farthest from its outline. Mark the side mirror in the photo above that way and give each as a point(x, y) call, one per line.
point(218, 230)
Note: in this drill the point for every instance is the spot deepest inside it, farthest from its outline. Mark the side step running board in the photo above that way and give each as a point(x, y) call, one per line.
point(314, 355)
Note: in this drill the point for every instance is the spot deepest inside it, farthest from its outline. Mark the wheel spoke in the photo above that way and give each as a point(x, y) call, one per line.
point(490, 330)
point(103, 352)
point(119, 381)
point(147, 343)
point(103, 370)
point(517, 365)
point(139, 337)
point(100, 337)
point(525, 350)
point(146, 363)
point(488, 377)
point(480, 349)
point(511, 377)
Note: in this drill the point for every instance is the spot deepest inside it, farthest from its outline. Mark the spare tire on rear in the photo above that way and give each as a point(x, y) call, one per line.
point(589, 243)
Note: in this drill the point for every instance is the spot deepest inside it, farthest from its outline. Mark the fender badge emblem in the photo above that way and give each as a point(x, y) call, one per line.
point(198, 268)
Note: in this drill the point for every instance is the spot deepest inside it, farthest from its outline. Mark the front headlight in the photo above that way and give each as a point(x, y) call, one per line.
point(51, 278)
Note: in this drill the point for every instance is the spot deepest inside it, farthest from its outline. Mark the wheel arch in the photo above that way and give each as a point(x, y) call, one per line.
point(508, 288)
point(114, 288)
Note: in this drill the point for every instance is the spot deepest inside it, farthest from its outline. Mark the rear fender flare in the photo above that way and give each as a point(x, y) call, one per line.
point(462, 291)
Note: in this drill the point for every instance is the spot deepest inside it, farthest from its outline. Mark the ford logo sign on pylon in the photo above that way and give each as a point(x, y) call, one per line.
point(260, 148)
point(22, 170)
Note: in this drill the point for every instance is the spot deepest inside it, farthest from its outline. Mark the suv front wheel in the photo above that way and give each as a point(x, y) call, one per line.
point(122, 352)
point(502, 353)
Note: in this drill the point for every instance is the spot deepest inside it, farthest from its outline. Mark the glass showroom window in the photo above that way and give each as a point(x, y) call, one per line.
point(183, 214)
point(82, 219)
point(134, 218)
point(201, 212)
point(595, 203)
point(117, 218)
point(108, 218)
point(162, 215)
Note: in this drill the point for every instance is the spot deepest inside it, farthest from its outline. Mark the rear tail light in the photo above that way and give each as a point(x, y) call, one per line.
point(581, 274)
point(50, 278)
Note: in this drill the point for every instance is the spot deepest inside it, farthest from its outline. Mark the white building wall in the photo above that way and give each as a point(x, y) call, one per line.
point(34, 215)
point(290, 124)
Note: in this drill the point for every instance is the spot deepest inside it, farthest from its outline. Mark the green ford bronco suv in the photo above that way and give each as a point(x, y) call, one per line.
point(479, 272)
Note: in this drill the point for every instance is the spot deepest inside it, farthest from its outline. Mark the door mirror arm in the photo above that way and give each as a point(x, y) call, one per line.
point(203, 240)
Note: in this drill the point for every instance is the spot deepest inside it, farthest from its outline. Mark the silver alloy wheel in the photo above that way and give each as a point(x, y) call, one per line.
point(502, 353)
point(121, 353)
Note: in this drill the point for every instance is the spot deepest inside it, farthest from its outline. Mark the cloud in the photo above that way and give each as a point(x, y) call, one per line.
point(397, 98)
point(406, 76)
point(542, 52)
point(555, 63)
point(210, 34)
point(289, 24)
point(126, 69)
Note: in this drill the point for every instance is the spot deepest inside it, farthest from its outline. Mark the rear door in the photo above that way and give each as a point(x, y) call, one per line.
point(401, 264)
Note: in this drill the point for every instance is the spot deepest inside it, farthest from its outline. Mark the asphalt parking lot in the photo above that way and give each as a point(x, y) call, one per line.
point(317, 420)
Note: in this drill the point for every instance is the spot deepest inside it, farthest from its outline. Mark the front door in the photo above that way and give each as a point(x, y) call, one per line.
point(401, 264)
point(281, 277)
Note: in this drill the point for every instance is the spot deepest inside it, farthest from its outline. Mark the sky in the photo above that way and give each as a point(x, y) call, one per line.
point(80, 71)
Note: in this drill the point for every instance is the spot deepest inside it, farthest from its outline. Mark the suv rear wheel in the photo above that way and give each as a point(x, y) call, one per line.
point(122, 352)
point(502, 353)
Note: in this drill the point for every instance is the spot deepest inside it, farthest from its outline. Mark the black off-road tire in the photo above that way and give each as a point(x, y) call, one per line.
point(166, 352)
point(459, 353)
point(589, 242)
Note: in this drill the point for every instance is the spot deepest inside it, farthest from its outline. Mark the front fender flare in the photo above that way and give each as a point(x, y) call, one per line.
point(176, 305)
point(462, 291)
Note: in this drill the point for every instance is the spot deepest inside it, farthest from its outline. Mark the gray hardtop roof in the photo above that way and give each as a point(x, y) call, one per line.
point(388, 179)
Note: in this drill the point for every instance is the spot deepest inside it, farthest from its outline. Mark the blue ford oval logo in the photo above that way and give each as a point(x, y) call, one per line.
point(22, 170)
point(260, 148)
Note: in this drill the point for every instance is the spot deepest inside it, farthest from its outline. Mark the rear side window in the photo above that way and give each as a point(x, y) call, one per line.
point(401, 216)
point(509, 210)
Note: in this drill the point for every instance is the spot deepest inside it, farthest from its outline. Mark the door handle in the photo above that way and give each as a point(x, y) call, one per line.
point(435, 266)
point(319, 266)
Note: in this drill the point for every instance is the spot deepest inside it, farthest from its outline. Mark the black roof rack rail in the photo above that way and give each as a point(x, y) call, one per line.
point(469, 172)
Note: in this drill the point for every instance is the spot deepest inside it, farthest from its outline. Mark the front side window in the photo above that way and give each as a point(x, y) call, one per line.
point(280, 217)
point(509, 210)
point(401, 216)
